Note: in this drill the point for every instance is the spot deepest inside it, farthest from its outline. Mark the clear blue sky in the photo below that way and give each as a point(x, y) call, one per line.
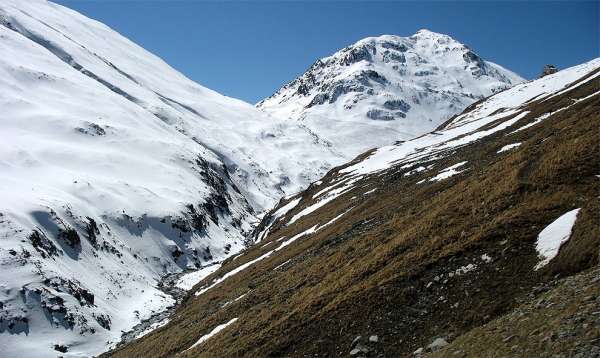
point(249, 49)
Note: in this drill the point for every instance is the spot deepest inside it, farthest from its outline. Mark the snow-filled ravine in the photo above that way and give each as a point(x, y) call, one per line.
point(175, 285)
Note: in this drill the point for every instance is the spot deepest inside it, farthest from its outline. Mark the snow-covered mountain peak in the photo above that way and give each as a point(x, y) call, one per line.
point(428, 34)
point(387, 88)
point(423, 35)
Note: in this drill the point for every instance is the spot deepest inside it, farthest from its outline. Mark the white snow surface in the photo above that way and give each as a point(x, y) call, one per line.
point(284, 209)
point(153, 327)
point(553, 236)
point(386, 89)
point(280, 212)
point(189, 280)
point(448, 172)
point(103, 143)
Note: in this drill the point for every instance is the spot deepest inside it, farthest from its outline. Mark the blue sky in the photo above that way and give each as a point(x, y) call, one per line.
point(249, 49)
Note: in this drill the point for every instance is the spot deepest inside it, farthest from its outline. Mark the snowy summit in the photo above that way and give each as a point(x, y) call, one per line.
point(387, 88)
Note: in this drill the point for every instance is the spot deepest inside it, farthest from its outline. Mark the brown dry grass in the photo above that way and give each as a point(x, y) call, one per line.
point(368, 273)
point(562, 322)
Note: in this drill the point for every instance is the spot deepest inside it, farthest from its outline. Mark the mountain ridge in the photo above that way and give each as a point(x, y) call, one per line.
point(387, 88)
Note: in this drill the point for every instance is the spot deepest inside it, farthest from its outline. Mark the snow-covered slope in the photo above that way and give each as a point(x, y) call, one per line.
point(501, 110)
point(245, 139)
point(115, 170)
point(388, 88)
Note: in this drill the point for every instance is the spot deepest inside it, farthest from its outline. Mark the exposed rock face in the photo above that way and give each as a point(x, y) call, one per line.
point(387, 88)
point(437, 344)
point(548, 70)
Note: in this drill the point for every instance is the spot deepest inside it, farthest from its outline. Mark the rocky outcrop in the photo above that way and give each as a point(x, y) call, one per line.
point(548, 70)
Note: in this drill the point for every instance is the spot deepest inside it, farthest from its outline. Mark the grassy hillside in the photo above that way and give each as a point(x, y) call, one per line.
point(414, 259)
point(562, 319)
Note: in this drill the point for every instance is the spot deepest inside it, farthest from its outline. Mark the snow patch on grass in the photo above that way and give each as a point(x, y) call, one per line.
point(332, 194)
point(508, 147)
point(284, 209)
point(285, 243)
point(212, 333)
point(235, 300)
point(448, 172)
point(553, 236)
point(233, 272)
point(370, 191)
